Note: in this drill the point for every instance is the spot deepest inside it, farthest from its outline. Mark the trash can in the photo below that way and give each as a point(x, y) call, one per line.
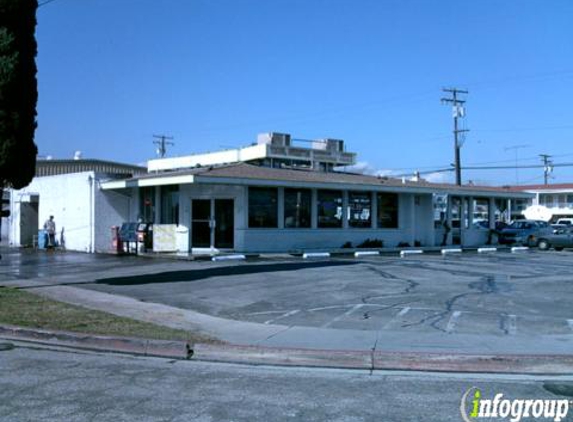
point(116, 244)
point(182, 239)
point(42, 239)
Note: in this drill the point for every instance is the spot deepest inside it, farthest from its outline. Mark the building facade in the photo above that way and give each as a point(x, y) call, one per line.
point(269, 197)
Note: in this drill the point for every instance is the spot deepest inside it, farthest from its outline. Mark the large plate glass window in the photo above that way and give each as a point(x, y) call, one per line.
point(263, 207)
point(359, 209)
point(387, 210)
point(297, 208)
point(170, 204)
point(329, 208)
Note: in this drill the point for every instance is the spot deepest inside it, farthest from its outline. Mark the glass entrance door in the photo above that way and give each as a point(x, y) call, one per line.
point(201, 223)
point(212, 223)
point(224, 223)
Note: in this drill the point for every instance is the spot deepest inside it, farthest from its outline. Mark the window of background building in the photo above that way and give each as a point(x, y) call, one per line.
point(359, 209)
point(147, 204)
point(170, 204)
point(263, 207)
point(297, 208)
point(387, 210)
point(329, 204)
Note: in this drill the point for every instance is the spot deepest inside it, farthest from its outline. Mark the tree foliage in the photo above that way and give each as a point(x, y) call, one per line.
point(18, 92)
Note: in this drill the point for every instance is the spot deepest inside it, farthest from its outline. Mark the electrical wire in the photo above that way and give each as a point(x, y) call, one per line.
point(45, 2)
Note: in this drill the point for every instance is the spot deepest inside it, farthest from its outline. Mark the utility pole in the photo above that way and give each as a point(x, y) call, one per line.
point(162, 144)
point(458, 111)
point(547, 167)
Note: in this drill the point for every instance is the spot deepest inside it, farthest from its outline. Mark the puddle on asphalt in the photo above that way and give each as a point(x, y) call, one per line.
point(497, 283)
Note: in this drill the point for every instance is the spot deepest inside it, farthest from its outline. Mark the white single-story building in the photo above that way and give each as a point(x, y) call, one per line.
point(268, 197)
point(70, 190)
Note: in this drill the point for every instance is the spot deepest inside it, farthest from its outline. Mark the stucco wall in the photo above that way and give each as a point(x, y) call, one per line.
point(112, 209)
point(68, 198)
point(79, 207)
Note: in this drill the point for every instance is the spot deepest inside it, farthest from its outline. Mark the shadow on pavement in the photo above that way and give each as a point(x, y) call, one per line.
point(193, 275)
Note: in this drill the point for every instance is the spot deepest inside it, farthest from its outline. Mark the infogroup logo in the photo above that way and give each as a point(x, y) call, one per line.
point(474, 407)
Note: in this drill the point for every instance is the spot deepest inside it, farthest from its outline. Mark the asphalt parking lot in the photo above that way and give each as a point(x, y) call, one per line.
point(503, 294)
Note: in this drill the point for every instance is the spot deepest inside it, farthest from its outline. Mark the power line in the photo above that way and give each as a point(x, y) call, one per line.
point(45, 2)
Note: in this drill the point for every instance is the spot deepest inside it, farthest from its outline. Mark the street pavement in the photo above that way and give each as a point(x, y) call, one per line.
point(38, 384)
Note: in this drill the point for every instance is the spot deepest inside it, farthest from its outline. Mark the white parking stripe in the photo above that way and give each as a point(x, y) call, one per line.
point(291, 313)
point(452, 322)
point(402, 312)
point(344, 315)
point(326, 308)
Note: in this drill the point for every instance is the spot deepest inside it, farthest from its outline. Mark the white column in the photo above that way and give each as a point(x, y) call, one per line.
point(412, 218)
point(313, 209)
point(374, 210)
point(491, 213)
point(281, 208)
point(471, 210)
point(345, 209)
point(449, 219)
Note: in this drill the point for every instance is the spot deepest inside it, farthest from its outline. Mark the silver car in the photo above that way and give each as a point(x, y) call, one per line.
point(563, 238)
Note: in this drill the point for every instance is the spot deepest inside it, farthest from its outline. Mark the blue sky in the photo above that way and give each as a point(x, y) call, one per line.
point(214, 73)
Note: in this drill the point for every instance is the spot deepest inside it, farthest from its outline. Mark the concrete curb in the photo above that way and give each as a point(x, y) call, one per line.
point(281, 356)
point(381, 360)
point(135, 346)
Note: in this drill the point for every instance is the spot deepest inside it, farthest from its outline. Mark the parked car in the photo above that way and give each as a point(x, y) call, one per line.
point(525, 232)
point(560, 240)
point(558, 227)
point(566, 221)
point(483, 224)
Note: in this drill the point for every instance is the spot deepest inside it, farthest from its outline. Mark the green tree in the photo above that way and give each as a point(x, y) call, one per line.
point(18, 93)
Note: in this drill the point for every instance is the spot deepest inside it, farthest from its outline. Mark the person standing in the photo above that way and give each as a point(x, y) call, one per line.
point(50, 227)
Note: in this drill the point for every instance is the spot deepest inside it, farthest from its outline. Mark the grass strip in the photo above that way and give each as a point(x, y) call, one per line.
point(26, 309)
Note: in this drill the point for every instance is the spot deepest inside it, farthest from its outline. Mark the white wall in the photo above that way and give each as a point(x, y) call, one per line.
point(79, 207)
point(112, 208)
point(68, 198)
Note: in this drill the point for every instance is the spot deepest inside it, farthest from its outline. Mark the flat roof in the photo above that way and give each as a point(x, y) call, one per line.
point(67, 166)
point(248, 174)
point(540, 188)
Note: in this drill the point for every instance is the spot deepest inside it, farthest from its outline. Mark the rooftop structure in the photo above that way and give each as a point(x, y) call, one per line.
point(50, 167)
point(277, 150)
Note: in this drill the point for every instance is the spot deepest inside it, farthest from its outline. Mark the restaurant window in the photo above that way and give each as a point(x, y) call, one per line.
point(263, 207)
point(329, 204)
point(359, 209)
point(170, 204)
point(387, 210)
point(147, 204)
point(297, 208)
